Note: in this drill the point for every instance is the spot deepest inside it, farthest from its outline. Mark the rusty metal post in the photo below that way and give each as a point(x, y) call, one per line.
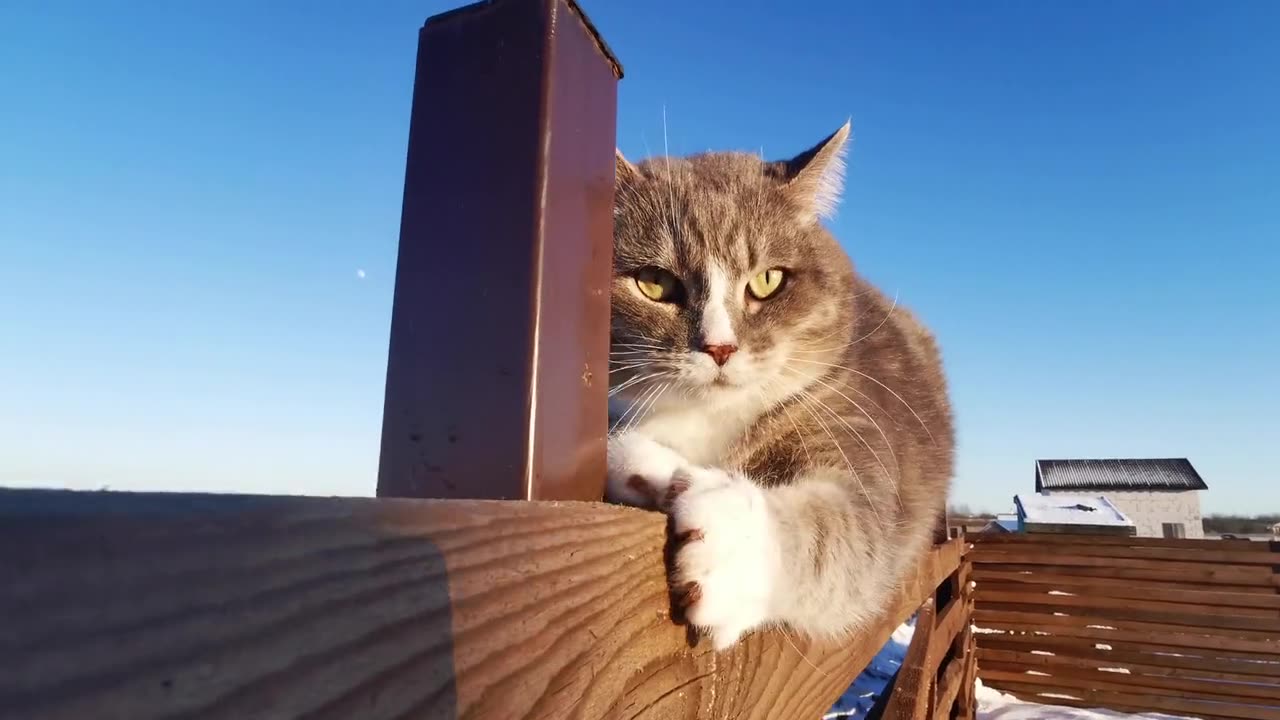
point(497, 370)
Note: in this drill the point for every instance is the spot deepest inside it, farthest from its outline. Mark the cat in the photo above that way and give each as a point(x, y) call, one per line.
point(792, 421)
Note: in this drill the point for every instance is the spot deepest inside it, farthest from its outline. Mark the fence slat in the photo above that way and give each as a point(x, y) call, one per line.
point(1103, 609)
point(1043, 539)
point(1252, 604)
point(161, 605)
point(497, 366)
point(1170, 701)
point(1053, 664)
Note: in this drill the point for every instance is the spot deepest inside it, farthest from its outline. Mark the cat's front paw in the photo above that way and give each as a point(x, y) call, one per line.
point(640, 470)
point(727, 560)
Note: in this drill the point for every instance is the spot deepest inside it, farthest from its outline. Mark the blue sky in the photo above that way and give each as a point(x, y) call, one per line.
point(1082, 199)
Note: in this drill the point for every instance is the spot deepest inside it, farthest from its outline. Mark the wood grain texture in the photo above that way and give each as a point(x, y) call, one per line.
point(1040, 540)
point(1139, 625)
point(914, 686)
point(144, 606)
point(1128, 702)
point(1267, 675)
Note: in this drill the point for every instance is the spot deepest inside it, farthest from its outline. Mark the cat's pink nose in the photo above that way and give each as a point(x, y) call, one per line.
point(720, 353)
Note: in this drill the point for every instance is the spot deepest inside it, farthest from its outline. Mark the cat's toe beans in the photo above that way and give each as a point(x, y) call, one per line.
point(726, 564)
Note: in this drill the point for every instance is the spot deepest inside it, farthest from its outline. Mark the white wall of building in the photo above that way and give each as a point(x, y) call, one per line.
point(1149, 510)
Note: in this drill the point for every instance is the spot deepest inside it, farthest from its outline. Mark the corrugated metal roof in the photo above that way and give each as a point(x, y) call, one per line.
point(1118, 474)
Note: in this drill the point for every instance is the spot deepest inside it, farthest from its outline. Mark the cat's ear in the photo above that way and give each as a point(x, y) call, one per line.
point(815, 177)
point(624, 172)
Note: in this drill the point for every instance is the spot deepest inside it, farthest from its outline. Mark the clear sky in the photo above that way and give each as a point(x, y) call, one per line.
point(199, 207)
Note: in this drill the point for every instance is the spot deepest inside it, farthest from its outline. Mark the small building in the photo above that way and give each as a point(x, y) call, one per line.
point(1275, 531)
point(1162, 496)
point(1071, 514)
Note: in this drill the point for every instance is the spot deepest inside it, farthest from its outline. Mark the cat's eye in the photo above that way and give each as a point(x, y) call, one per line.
point(657, 284)
point(766, 283)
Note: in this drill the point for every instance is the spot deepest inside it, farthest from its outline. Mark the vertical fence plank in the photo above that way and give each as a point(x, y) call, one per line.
point(497, 365)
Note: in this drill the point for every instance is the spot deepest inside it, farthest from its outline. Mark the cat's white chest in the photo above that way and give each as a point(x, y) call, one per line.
point(701, 433)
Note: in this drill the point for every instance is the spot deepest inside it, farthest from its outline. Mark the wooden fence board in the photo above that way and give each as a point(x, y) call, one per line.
point(1031, 689)
point(1146, 663)
point(1163, 653)
point(1243, 604)
point(1137, 682)
point(948, 689)
point(1137, 675)
point(1237, 574)
point(1253, 580)
point(1133, 610)
point(1259, 595)
point(148, 605)
point(1245, 556)
point(914, 686)
point(1049, 539)
point(1135, 632)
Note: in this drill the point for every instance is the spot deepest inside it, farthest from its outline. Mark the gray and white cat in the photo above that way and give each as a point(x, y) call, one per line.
point(792, 421)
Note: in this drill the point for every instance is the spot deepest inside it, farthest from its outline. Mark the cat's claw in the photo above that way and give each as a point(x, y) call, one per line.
point(727, 561)
point(641, 470)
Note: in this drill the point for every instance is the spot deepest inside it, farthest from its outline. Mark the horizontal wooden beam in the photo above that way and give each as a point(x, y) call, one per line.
point(992, 540)
point(1034, 691)
point(116, 605)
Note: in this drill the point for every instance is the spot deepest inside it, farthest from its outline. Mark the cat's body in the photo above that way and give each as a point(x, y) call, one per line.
point(792, 419)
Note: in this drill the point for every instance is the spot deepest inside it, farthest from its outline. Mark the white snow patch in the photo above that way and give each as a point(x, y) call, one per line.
point(995, 705)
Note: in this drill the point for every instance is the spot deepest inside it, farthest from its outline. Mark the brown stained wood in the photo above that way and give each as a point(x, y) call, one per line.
point(914, 684)
point(116, 605)
point(1170, 598)
point(1137, 676)
point(1123, 702)
point(1154, 652)
point(508, 197)
point(1248, 595)
point(948, 690)
point(1145, 663)
point(1122, 631)
point(1120, 609)
point(1242, 574)
point(1241, 707)
point(1200, 554)
point(1055, 619)
point(1027, 539)
point(1251, 580)
point(954, 618)
point(1109, 680)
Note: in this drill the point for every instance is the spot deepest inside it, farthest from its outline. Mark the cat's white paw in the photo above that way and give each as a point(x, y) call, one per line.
point(728, 561)
point(640, 470)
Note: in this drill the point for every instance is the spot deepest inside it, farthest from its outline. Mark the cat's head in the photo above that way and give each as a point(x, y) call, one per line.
point(724, 275)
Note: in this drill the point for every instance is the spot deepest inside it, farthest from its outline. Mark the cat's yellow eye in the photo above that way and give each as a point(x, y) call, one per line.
point(766, 283)
point(657, 284)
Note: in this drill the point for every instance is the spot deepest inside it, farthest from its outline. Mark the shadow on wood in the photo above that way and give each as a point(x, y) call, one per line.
point(151, 605)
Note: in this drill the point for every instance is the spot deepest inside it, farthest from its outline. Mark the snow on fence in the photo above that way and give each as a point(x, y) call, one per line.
point(486, 580)
point(1190, 627)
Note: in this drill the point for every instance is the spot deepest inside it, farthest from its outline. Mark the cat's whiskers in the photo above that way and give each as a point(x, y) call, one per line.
point(806, 399)
point(635, 380)
point(850, 429)
point(893, 392)
point(630, 367)
point(897, 466)
point(647, 408)
point(633, 407)
point(800, 435)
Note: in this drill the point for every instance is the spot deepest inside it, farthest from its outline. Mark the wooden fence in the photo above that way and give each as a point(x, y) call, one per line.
point(486, 580)
point(936, 680)
point(1189, 627)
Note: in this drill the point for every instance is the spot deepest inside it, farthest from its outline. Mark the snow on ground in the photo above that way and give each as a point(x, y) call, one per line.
point(992, 704)
point(995, 705)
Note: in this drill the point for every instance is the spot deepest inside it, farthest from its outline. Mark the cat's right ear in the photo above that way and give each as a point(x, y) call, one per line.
point(624, 172)
point(815, 177)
